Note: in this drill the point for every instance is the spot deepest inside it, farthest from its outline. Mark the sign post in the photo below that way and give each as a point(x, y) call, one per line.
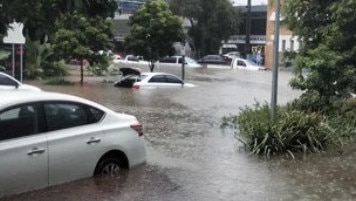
point(15, 36)
point(275, 62)
point(183, 61)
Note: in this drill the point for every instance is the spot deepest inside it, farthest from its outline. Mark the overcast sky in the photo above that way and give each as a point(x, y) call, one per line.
point(254, 2)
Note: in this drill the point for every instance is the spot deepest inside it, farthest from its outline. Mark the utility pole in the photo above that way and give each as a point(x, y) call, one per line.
point(275, 61)
point(248, 28)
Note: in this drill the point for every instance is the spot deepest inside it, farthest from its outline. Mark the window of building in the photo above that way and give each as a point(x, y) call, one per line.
point(292, 45)
point(283, 45)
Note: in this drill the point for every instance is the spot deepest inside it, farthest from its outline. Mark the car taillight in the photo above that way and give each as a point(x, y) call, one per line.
point(138, 127)
point(135, 86)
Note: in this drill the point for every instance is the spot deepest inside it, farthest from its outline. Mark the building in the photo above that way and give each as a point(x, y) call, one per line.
point(287, 41)
point(129, 6)
point(257, 31)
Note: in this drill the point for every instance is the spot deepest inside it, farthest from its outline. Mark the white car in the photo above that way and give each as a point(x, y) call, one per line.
point(8, 82)
point(239, 63)
point(159, 80)
point(232, 55)
point(176, 61)
point(50, 138)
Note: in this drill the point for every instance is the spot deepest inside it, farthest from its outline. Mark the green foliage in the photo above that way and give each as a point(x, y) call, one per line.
point(39, 23)
point(54, 69)
point(292, 131)
point(343, 119)
point(154, 29)
point(329, 50)
point(212, 22)
point(98, 66)
point(80, 37)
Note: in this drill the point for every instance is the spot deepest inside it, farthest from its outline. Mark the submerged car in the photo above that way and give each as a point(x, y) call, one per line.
point(8, 82)
point(176, 61)
point(214, 59)
point(51, 138)
point(128, 77)
point(239, 63)
point(135, 79)
point(160, 80)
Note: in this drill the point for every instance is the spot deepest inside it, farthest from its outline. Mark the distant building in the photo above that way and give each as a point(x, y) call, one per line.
point(129, 6)
point(287, 41)
point(258, 31)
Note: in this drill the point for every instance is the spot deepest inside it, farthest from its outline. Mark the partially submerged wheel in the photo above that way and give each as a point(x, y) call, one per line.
point(109, 167)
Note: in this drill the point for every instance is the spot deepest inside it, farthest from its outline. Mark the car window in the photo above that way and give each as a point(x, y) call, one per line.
point(241, 63)
point(190, 60)
point(209, 57)
point(95, 115)
point(168, 60)
point(4, 80)
point(172, 79)
point(132, 58)
point(158, 78)
point(65, 115)
point(18, 122)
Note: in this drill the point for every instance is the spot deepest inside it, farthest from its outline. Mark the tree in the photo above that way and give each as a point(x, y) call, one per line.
point(40, 21)
point(326, 28)
point(212, 22)
point(154, 30)
point(80, 37)
point(39, 26)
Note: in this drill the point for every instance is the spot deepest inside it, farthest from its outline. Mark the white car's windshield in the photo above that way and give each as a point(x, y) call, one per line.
point(248, 62)
point(190, 60)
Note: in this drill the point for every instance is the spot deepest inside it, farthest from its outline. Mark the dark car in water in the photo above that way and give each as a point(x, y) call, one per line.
point(214, 59)
point(128, 77)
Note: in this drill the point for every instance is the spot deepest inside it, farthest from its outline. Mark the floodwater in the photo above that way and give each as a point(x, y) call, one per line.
point(191, 159)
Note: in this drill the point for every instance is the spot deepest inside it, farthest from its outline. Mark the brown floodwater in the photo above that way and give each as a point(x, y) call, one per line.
point(190, 158)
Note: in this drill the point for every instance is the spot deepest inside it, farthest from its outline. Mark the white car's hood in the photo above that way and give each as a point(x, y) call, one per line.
point(28, 87)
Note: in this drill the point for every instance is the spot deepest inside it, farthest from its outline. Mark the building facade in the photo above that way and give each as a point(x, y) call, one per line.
point(257, 31)
point(129, 6)
point(287, 41)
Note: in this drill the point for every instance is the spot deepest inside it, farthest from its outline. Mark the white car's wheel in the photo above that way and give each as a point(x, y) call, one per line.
point(109, 167)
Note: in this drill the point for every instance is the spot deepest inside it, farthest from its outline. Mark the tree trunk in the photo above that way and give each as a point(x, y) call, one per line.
point(152, 66)
point(81, 71)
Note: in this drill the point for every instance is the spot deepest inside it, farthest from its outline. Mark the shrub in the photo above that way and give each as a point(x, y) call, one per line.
point(292, 131)
point(51, 69)
point(343, 119)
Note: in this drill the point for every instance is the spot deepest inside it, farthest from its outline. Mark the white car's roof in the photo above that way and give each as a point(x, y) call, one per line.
point(18, 97)
point(157, 73)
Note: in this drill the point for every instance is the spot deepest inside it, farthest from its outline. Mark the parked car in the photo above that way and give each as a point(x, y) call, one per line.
point(160, 80)
point(239, 63)
point(8, 82)
point(176, 61)
point(128, 77)
point(51, 138)
point(232, 55)
point(214, 59)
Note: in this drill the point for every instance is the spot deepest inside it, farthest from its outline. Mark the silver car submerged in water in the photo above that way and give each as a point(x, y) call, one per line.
point(51, 138)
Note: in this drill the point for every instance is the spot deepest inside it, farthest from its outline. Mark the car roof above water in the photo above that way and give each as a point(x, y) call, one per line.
point(18, 97)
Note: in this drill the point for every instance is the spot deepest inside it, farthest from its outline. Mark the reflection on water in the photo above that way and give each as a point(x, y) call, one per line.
point(190, 158)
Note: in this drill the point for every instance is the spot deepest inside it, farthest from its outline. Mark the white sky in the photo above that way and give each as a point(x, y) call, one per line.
point(254, 2)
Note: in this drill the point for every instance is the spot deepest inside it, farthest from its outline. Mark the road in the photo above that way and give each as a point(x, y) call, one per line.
point(190, 158)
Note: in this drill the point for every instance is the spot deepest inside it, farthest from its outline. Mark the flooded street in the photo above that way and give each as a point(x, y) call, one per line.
point(191, 159)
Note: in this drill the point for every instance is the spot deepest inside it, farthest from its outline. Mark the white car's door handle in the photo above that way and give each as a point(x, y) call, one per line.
point(93, 140)
point(35, 151)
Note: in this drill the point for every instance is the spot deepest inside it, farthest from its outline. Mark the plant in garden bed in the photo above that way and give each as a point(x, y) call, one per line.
point(292, 131)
